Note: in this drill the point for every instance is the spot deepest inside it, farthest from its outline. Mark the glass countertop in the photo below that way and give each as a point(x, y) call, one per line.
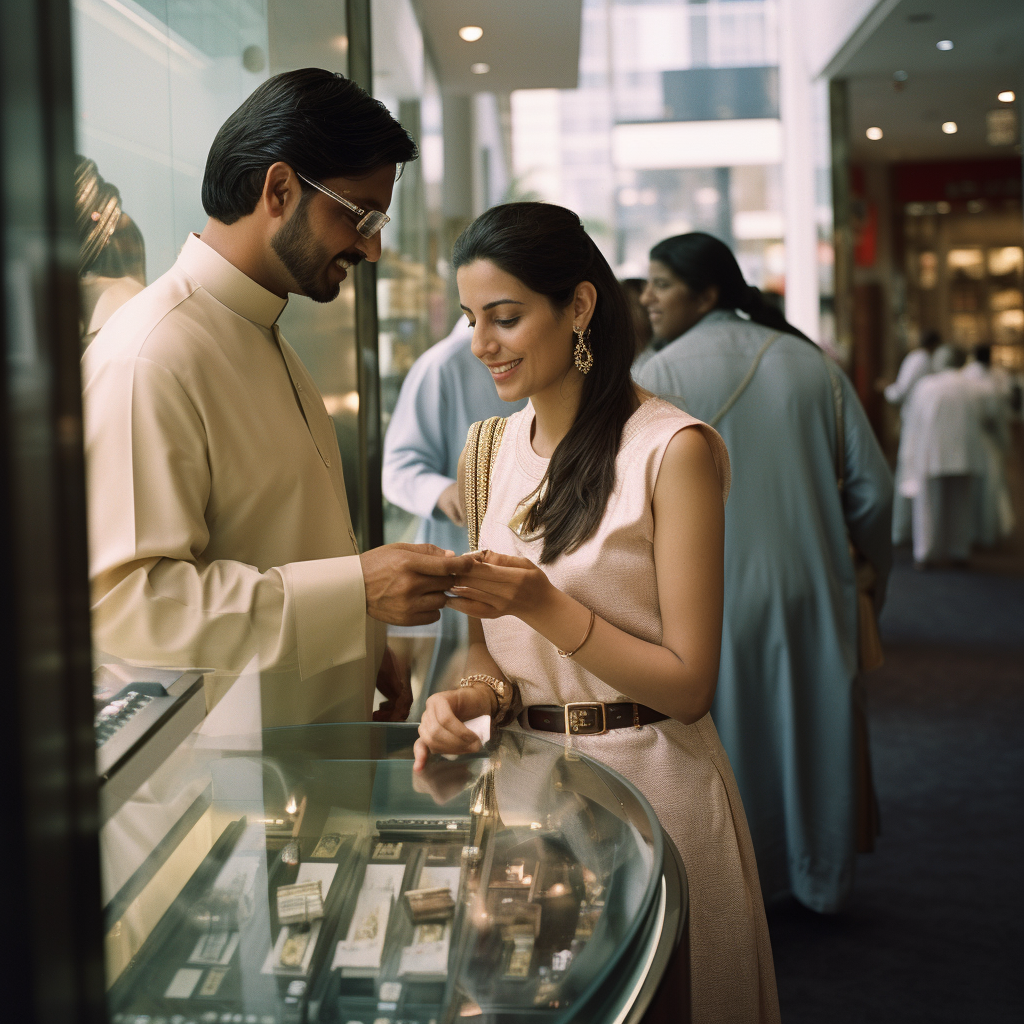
point(318, 878)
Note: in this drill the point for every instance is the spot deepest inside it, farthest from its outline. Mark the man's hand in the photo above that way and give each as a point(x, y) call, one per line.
point(405, 583)
point(450, 503)
point(394, 680)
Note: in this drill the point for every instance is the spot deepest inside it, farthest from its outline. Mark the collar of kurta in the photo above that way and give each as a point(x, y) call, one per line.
point(228, 285)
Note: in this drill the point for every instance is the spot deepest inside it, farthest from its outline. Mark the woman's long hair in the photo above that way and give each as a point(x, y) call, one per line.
point(546, 248)
point(702, 261)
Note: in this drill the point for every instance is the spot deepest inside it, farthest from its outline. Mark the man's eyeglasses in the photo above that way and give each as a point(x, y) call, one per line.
point(370, 221)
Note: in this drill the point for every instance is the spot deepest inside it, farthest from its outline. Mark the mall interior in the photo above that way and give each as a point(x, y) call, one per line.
point(862, 160)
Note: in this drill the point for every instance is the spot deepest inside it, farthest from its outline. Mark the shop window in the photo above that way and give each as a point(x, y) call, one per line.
point(154, 81)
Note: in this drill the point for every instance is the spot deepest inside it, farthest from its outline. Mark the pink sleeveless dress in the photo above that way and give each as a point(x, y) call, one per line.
point(682, 770)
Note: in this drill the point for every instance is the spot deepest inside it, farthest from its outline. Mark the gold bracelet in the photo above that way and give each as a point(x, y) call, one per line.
point(500, 689)
point(586, 637)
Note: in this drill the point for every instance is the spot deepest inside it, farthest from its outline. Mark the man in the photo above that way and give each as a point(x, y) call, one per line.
point(446, 390)
point(219, 528)
point(993, 508)
point(942, 450)
point(917, 363)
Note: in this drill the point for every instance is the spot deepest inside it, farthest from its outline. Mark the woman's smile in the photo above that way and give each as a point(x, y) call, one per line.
point(502, 371)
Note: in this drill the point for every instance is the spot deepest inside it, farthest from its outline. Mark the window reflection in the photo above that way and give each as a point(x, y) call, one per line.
point(112, 253)
point(411, 291)
point(154, 81)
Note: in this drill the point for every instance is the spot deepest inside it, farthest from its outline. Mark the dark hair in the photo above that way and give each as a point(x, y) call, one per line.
point(546, 248)
point(983, 354)
point(931, 341)
point(322, 124)
point(703, 261)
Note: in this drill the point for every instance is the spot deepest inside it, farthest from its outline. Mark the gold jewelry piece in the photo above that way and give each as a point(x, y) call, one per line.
point(586, 637)
point(500, 689)
point(582, 355)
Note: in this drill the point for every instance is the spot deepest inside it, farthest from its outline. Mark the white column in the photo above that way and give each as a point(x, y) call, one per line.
point(796, 107)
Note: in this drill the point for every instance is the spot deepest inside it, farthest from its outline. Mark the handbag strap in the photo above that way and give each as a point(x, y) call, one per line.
point(482, 443)
point(734, 397)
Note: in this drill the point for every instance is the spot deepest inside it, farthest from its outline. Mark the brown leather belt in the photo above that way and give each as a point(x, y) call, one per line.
point(588, 717)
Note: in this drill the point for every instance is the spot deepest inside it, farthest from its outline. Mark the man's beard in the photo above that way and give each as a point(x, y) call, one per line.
point(307, 261)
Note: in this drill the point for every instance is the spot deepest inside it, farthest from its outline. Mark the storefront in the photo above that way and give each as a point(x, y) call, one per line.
point(170, 865)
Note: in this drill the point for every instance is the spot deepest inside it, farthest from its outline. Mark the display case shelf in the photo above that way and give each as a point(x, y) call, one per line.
point(338, 886)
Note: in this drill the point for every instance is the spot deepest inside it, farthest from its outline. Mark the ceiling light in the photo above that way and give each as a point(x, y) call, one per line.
point(874, 134)
point(949, 127)
point(1007, 96)
point(340, 43)
point(900, 76)
point(944, 44)
point(480, 69)
point(471, 33)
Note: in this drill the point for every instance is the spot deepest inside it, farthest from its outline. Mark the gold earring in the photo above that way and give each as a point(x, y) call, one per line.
point(582, 355)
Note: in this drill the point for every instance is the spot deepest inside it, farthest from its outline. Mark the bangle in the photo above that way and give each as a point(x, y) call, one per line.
point(586, 637)
point(501, 690)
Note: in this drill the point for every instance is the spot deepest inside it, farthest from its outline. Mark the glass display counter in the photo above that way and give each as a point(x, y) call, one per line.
point(317, 878)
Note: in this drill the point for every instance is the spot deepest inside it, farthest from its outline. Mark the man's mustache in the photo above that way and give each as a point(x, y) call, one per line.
point(353, 256)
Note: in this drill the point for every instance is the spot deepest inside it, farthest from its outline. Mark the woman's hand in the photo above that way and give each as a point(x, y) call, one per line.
point(441, 728)
point(499, 585)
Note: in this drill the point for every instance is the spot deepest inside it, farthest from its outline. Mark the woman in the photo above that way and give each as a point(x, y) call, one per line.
point(603, 575)
point(785, 703)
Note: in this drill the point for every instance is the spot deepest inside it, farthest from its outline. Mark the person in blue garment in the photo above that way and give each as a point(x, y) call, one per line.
point(787, 705)
point(446, 390)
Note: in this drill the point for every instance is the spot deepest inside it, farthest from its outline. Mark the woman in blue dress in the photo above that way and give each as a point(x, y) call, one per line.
point(786, 706)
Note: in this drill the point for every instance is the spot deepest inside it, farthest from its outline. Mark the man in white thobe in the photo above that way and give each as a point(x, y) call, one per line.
point(993, 509)
point(218, 521)
point(917, 363)
point(446, 390)
point(941, 451)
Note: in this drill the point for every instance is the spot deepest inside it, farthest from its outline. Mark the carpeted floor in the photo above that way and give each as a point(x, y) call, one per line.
point(933, 932)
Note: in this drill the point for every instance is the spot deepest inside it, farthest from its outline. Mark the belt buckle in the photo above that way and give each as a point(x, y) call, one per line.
point(581, 718)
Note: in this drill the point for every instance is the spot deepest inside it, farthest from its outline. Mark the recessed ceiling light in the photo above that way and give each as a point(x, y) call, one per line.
point(874, 134)
point(944, 44)
point(900, 76)
point(949, 127)
point(1007, 96)
point(471, 33)
point(480, 69)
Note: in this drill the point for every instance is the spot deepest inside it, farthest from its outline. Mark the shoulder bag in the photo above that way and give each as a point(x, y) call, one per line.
point(482, 443)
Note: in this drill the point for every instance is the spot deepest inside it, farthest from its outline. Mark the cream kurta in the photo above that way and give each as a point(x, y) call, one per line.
point(219, 529)
point(681, 769)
